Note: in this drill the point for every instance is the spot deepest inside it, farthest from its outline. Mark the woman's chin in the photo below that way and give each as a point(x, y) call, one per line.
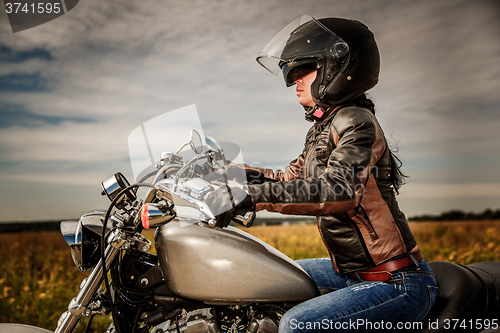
point(306, 103)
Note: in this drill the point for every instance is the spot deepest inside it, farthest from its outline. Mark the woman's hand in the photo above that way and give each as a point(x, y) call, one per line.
point(220, 203)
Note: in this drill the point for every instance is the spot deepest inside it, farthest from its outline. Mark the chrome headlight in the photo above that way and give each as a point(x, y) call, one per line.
point(84, 238)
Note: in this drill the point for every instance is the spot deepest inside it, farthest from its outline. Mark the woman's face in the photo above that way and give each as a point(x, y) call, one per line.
point(303, 89)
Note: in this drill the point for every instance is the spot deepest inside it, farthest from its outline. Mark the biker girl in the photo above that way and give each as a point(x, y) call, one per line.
point(348, 177)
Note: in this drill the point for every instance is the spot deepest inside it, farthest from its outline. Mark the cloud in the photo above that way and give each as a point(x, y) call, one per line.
point(92, 179)
point(72, 90)
point(9, 55)
point(438, 191)
point(17, 115)
point(23, 82)
point(66, 141)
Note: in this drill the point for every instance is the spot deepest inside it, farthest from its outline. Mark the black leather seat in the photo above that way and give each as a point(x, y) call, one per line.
point(489, 273)
point(461, 295)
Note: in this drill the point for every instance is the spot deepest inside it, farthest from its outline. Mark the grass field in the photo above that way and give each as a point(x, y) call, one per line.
point(459, 242)
point(38, 277)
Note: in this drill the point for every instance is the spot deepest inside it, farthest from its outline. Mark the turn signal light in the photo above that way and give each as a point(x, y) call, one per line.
point(154, 215)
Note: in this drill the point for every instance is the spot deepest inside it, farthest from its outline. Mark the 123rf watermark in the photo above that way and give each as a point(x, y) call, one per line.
point(365, 324)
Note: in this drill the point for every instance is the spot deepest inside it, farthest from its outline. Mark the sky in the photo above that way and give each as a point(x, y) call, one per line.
point(73, 89)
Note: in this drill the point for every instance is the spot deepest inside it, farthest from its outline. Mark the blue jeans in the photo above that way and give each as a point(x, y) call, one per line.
point(363, 306)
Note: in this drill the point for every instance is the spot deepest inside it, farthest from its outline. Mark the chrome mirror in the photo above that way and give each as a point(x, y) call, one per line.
point(218, 159)
point(195, 142)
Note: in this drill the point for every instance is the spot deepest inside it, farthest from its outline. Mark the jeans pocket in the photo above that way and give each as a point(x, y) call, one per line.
point(433, 291)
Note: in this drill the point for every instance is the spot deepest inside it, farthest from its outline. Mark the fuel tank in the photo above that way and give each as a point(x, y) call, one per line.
point(19, 328)
point(227, 266)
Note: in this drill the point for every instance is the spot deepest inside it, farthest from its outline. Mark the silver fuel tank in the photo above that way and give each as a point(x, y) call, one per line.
point(227, 266)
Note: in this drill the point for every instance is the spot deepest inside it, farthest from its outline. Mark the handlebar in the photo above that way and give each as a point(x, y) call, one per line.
point(185, 196)
point(181, 184)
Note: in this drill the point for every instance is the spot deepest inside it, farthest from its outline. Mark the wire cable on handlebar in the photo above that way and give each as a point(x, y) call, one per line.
point(151, 174)
point(103, 243)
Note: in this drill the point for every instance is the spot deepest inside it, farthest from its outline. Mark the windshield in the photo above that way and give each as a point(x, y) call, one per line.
point(164, 133)
point(164, 147)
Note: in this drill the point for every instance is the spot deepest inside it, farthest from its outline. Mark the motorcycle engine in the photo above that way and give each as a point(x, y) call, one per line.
point(230, 319)
point(201, 320)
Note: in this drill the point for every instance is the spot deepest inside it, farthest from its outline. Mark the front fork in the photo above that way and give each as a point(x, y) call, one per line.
point(81, 305)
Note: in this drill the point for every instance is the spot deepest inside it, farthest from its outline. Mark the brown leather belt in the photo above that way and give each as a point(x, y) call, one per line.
point(383, 271)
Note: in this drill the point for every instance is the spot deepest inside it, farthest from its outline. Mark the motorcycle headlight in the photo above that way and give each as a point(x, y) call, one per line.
point(84, 239)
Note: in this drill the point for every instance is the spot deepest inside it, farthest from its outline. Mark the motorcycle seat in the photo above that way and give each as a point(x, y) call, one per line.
point(489, 273)
point(461, 295)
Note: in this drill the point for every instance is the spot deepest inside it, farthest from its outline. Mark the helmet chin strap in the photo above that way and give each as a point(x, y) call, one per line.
point(315, 113)
point(318, 113)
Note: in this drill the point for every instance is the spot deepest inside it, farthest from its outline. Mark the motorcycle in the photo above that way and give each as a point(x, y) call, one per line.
point(207, 279)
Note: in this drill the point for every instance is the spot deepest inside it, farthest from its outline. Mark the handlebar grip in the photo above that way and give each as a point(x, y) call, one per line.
point(244, 217)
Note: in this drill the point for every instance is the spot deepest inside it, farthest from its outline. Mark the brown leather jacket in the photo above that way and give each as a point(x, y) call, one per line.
point(342, 177)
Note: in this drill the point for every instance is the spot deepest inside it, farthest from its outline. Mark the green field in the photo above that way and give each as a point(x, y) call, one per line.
point(38, 277)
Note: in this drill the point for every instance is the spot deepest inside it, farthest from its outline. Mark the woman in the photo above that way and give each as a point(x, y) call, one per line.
point(348, 177)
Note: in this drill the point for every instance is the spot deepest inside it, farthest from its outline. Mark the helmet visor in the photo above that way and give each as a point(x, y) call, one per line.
point(305, 37)
point(292, 71)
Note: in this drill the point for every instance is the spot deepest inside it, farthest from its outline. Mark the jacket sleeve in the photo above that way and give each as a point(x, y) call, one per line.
point(358, 143)
point(255, 175)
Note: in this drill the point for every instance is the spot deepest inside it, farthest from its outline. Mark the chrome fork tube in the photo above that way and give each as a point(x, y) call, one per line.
point(78, 307)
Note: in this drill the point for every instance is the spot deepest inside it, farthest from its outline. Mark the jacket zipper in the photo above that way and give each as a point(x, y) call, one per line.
point(309, 152)
point(327, 247)
point(367, 224)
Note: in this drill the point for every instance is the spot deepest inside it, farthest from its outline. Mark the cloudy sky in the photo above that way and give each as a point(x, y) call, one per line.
point(73, 89)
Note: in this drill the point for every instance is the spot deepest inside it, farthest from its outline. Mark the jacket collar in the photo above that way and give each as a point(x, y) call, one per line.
point(317, 114)
point(327, 114)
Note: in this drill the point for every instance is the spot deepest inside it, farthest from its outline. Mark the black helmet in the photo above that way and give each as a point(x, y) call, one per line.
point(343, 51)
